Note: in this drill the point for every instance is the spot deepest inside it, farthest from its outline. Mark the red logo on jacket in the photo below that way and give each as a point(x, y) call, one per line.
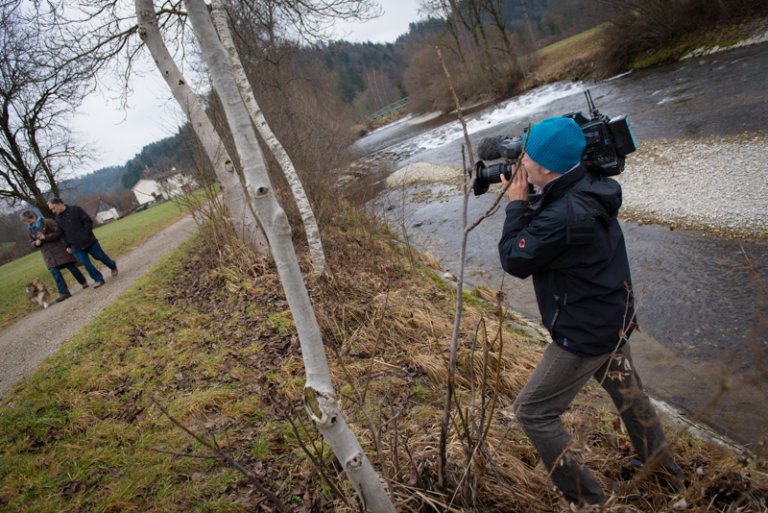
point(521, 244)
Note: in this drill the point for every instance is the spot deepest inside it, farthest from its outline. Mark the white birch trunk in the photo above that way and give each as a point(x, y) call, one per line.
point(319, 397)
point(316, 252)
point(242, 216)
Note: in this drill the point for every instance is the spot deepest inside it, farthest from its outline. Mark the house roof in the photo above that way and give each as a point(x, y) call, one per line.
point(149, 174)
point(143, 180)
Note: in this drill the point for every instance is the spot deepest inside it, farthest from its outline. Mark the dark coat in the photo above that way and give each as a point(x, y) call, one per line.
point(53, 247)
point(569, 239)
point(77, 227)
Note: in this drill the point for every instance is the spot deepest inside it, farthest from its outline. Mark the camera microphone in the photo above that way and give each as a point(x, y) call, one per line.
point(500, 147)
point(489, 148)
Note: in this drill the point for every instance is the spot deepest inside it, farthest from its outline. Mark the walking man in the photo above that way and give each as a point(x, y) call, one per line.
point(77, 227)
point(46, 235)
point(568, 238)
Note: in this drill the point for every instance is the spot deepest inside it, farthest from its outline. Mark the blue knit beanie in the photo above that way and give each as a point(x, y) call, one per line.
point(555, 143)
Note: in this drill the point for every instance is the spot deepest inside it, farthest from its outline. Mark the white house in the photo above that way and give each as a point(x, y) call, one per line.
point(163, 186)
point(147, 191)
point(110, 214)
point(101, 211)
point(175, 183)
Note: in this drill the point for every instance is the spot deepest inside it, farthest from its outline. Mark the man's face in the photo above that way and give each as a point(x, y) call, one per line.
point(56, 208)
point(536, 173)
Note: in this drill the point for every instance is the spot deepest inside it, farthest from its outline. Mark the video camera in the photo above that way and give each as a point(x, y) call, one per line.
point(609, 141)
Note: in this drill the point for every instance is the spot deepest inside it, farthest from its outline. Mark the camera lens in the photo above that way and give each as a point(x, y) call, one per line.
point(486, 175)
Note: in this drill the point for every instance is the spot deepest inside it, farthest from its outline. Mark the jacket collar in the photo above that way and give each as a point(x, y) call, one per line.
point(556, 189)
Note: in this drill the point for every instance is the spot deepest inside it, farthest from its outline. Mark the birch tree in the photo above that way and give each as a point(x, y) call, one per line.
point(242, 215)
point(320, 399)
point(316, 252)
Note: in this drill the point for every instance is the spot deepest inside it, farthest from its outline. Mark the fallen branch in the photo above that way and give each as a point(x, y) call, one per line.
point(220, 455)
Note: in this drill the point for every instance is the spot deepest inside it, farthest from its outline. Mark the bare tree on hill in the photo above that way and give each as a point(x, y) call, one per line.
point(39, 91)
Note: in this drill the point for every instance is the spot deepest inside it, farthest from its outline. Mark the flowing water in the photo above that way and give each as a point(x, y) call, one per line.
point(703, 305)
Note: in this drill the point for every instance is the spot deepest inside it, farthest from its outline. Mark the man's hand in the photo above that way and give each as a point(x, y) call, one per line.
point(38, 242)
point(40, 235)
point(518, 187)
point(69, 250)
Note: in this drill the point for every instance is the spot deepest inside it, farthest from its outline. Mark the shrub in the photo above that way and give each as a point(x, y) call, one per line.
point(477, 73)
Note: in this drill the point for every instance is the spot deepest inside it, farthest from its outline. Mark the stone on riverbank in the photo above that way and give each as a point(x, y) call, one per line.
point(423, 172)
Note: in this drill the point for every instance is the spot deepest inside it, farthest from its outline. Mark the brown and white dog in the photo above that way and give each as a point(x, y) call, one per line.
point(38, 293)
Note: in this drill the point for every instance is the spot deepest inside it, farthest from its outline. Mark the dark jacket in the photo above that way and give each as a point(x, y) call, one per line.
point(53, 247)
point(77, 227)
point(569, 239)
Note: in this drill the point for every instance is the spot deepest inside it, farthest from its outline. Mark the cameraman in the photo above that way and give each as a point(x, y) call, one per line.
point(568, 238)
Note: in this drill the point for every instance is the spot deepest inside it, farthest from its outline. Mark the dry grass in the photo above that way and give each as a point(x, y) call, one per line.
point(393, 341)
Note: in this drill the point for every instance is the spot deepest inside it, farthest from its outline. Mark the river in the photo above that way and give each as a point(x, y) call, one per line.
point(703, 310)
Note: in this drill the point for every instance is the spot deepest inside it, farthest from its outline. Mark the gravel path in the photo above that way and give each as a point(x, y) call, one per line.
point(27, 343)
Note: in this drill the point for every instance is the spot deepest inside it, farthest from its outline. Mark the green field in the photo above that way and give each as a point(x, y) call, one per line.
point(575, 40)
point(116, 238)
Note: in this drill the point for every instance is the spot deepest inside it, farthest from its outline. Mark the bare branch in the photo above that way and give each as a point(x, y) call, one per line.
point(223, 456)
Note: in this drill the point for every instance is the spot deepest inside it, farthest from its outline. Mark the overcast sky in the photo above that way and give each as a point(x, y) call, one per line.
point(117, 135)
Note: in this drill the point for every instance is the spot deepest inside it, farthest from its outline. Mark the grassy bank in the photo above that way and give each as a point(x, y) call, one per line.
point(211, 338)
point(573, 57)
point(116, 238)
point(585, 55)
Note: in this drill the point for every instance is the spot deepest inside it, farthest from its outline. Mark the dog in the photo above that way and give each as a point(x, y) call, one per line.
point(38, 293)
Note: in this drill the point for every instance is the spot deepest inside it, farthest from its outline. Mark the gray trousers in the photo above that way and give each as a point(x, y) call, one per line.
point(549, 391)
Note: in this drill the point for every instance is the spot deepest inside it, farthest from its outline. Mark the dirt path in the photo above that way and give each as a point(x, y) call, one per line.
point(24, 345)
